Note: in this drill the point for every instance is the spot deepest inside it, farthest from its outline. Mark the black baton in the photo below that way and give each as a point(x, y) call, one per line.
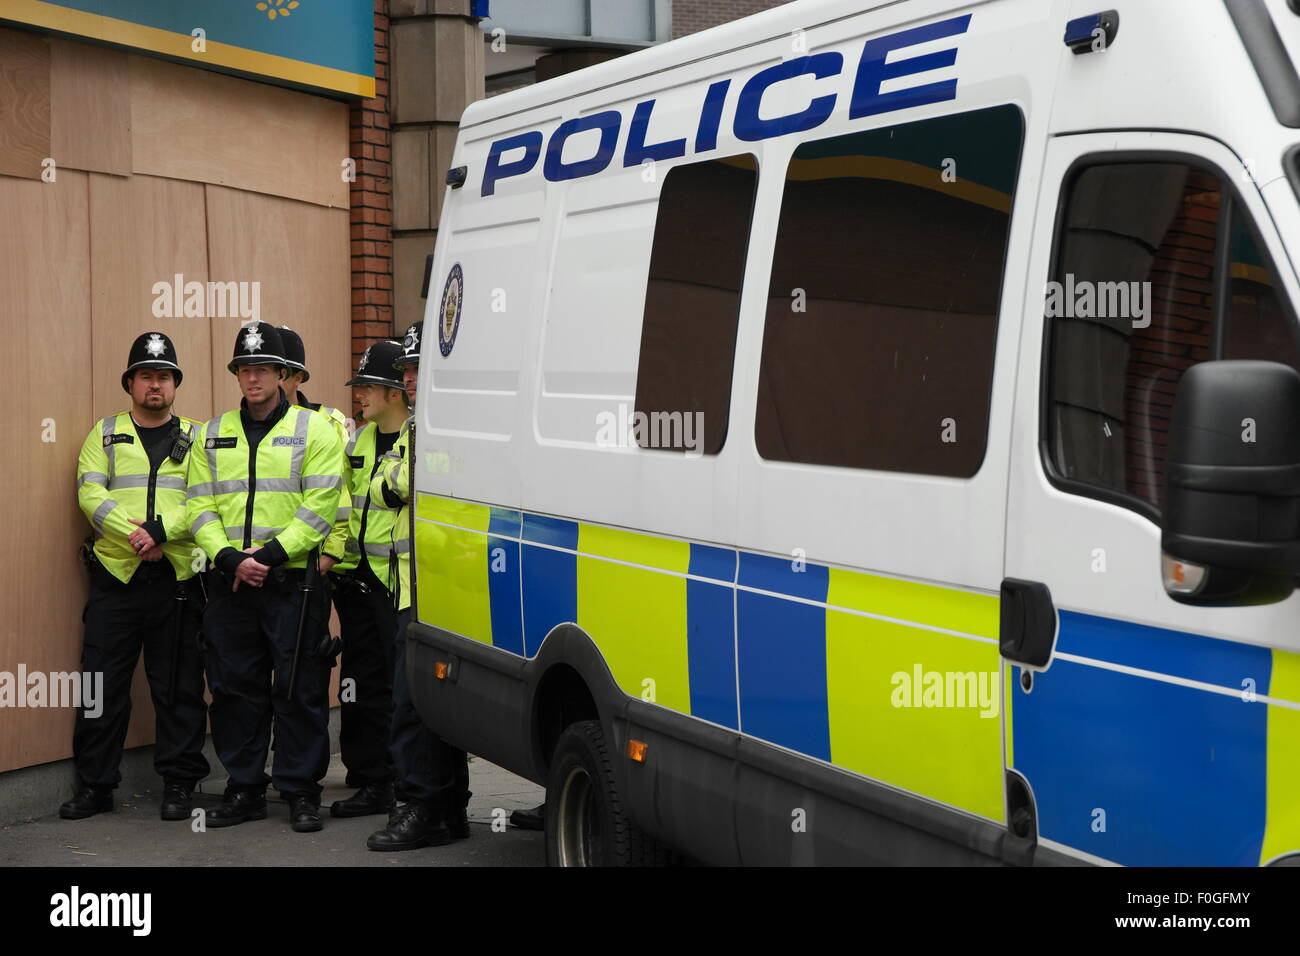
point(308, 586)
point(179, 600)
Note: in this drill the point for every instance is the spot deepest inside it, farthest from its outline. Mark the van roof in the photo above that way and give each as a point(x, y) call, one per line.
point(727, 37)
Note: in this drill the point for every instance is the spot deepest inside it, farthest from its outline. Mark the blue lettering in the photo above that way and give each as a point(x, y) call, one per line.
point(706, 137)
point(873, 70)
point(748, 125)
point(495, 171)
point(637, 151)
point(608, 123)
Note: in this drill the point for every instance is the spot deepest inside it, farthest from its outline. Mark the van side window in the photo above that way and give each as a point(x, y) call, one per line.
point(692, 304)
point(1132, 306)
point(882, 308)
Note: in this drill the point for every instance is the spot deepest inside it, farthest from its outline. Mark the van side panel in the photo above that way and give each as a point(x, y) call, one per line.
point(837, 665)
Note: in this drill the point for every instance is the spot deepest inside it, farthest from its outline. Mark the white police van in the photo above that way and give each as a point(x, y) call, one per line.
point(871, 433)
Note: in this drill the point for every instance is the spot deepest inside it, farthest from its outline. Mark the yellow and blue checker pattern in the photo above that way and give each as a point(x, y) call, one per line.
point(802, 658)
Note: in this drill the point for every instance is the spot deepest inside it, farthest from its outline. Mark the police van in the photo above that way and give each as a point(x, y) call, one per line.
point(870, 433)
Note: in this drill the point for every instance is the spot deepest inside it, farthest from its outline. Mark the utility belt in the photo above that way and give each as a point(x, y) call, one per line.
point(279, 579)
point(359, 582)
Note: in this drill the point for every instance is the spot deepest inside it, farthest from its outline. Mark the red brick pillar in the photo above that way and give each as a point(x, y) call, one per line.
point(371, 198)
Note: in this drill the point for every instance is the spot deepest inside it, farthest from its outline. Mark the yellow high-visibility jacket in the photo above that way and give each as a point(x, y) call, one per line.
point(288, 492)
point(391, 491)
point(115, 483)
point(337, 542)
point(370, 529)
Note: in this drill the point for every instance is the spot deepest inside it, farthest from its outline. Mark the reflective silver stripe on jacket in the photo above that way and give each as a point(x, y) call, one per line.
point(97, 519)
point(257, 532)
point(171, 482)
point(402, 546)
point(300, 448)
point(92, 478)
point(312, 519)
point(110, 450)
point(211, 431)
point(321, 481)
point(204, 518)
point(359, 501)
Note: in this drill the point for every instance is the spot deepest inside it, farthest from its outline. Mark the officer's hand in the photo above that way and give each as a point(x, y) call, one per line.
point(251, 572)
point(141, 540)
point(154, 553)
point(326, 563)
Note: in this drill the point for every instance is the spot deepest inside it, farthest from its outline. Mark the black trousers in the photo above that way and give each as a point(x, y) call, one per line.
point(430, 770)
point(367, 621)
point(121, 620)
point(250, 635)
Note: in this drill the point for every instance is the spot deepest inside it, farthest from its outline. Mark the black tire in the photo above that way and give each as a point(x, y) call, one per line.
point(585, 820)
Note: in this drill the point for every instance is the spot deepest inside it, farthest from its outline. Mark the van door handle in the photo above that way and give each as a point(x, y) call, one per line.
point(1028, 622)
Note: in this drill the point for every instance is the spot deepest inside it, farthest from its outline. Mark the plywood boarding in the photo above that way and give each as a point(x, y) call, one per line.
point(299, 253)
point(24, 104)
point(206, 127)
point(90, 99)
point(145, 231)
point(44, 272)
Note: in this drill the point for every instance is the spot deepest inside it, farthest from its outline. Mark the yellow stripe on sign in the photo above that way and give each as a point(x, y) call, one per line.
point(1282, 772)
point(452, 578)
point(946, 745)
point(152, 39)
point(909, 601)
point(637, 617)
point(664, 553)
point(462, 514)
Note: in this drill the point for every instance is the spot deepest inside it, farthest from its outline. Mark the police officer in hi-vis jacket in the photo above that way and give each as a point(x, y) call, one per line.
point(265, 481)
point(131, 483)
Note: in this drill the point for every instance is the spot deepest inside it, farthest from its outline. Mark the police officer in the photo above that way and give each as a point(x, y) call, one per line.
point(362, 585)
point(143, 589)
point(264, 492)
point(433, 774)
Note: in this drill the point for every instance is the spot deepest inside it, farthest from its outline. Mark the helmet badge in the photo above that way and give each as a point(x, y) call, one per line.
point(252, 340)
point(156, 346)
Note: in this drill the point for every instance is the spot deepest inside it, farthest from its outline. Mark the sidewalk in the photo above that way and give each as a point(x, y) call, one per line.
point(134, 836)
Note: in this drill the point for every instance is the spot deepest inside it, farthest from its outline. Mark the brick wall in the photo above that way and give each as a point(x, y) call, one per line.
point(371, 200)
point(692, 16)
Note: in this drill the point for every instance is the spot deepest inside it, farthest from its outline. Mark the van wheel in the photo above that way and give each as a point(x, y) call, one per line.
point(585, 821)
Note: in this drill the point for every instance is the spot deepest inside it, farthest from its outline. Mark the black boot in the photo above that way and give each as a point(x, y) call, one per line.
point(411, 827)
point(458, 824)
point(304, 813)
point(87, 802)
point(238, 806)
point(177, 801)
point(534, 819)
point(372, 798)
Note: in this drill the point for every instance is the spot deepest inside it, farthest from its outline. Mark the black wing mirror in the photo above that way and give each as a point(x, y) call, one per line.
point(1231, 526)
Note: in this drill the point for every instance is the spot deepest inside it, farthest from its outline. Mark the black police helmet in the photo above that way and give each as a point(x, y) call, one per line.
point(411, 345)
point(295, 353)
point(151, 350)
point(378, 366)
point(257, 344)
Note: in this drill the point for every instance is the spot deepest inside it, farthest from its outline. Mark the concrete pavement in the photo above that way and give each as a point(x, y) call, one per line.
point(134, 836)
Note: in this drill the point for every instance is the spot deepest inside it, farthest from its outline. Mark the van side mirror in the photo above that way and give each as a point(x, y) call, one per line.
point(1231, 526)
